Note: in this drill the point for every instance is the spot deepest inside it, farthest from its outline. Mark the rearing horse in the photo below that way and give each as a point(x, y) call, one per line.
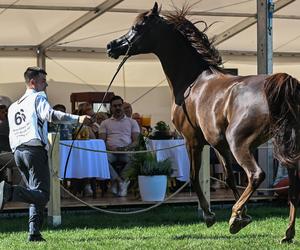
point(230, 113)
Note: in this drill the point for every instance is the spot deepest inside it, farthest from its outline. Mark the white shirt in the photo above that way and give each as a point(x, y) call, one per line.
point(28, 119)
point(119, 131)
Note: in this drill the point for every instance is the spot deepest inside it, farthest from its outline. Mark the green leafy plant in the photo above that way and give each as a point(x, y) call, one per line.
point(161, 126)
point(161, 131)
point(147, 164)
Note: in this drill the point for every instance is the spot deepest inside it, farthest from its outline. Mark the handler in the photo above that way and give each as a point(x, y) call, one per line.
point(28, 135)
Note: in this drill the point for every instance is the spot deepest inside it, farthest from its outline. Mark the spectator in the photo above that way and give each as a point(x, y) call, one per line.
point(120, 134)
point(60, 107)
point(64, 129)
point(127, 109)
point(86, 186)
point(100, 117)
point(28, 119)
point(87, 109)
point(138, 118)
point(4, 130)
point(4, 143)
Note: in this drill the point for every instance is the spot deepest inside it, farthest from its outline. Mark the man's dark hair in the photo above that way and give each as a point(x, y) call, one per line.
point(32, 72)
point(116, 97)
point(60, 107)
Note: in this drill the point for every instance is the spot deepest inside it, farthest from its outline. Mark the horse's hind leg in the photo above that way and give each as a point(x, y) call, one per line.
point(195, 160)
point(224, 156)
point(245, 158)
point(294, 191)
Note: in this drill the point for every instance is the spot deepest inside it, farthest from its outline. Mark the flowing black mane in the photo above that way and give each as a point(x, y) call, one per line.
point(197, 39)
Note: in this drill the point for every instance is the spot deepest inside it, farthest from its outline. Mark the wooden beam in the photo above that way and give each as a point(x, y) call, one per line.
point(264, 37)
point(133, 11)
point(77, 24)
point(54, 207)
point(100, 53)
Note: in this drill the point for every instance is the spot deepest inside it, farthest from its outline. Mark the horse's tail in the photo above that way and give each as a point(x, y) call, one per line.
point(283, 96)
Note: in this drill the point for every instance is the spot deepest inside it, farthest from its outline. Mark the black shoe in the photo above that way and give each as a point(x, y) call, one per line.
point(35, 237)
point(5, 193)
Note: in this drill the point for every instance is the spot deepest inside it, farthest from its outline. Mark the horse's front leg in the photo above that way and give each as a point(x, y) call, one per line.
point(195, 160)
point(294, 191)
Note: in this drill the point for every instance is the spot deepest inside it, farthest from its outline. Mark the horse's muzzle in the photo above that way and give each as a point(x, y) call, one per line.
point(111, 50)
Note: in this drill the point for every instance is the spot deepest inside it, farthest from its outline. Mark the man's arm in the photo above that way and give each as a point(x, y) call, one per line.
point(133, 144)
point(135, 140)
point(45, 112)
point(135, 132)
point(102, 136)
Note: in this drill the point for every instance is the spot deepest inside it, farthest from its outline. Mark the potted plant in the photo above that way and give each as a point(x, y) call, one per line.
point(150, 174)
point(161, 131)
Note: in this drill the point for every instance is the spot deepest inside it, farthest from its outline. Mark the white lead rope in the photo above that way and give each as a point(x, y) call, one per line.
point(125, 213)
point(121, 152)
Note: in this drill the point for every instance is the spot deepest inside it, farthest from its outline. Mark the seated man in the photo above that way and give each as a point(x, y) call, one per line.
point(120, 133)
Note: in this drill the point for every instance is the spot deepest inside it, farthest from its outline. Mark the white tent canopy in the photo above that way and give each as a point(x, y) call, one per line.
point(74, 35)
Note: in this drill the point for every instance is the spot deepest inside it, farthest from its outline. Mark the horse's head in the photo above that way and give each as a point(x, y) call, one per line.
point(138, 38)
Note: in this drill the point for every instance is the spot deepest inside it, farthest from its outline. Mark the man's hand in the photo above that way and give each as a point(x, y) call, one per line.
point(121, 148)
point(85, 119)
point(126, 148)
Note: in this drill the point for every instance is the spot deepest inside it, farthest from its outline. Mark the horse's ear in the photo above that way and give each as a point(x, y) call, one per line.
point(155, 9)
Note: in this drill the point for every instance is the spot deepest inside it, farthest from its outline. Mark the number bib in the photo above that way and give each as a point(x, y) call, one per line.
point(24, 124)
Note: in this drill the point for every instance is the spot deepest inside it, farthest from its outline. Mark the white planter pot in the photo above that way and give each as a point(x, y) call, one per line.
point(152, 188)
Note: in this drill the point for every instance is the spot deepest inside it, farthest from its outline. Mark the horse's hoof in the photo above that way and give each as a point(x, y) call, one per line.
point(286, 240)
point(237, 223)
point(209, 219)
point(246, 218)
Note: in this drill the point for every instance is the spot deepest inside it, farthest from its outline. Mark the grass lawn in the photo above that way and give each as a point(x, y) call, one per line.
point(167, 227)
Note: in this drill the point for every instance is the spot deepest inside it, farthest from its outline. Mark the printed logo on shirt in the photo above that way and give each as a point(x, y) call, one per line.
point(20, 117)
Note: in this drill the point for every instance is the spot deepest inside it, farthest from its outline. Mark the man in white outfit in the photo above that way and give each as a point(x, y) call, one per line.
point(28, 124)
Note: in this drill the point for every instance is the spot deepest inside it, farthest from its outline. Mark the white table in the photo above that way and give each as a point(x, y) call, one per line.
point(83, 163)
point(178, 156)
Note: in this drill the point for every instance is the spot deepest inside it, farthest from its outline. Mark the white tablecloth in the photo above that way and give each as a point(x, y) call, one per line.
point(83, 163)
point(178, 156)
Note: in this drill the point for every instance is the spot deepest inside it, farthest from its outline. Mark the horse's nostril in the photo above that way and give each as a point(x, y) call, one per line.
point(108, 46)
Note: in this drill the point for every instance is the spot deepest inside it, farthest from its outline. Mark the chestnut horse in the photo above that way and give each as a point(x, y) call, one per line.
point(230, 113)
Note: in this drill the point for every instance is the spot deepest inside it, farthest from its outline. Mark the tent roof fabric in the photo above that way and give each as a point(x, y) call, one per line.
point(31, 22)
point(81, 30)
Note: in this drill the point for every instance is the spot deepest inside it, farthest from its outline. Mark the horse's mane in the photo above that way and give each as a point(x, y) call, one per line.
point(198, 39)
